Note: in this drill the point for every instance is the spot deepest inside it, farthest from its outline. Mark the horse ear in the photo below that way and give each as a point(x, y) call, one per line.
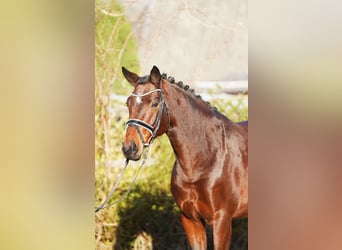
point(130, 76)
point(155, 76)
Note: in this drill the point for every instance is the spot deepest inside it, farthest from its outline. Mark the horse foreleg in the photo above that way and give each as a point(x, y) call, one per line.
point(195, 232)
point(222, 230)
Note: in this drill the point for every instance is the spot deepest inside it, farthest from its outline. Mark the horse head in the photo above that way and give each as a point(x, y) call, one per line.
point(148, 112)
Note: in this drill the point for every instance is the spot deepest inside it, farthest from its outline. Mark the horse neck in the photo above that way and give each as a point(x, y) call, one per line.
point(189, 119)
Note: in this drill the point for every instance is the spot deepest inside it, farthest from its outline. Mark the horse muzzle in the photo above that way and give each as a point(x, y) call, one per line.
point(131, 151)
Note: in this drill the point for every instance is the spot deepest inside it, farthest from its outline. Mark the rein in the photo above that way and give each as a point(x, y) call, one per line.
point(103, 204)
point(152, 129)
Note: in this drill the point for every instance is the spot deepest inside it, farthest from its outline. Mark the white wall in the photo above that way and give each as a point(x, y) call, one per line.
point(192, 40)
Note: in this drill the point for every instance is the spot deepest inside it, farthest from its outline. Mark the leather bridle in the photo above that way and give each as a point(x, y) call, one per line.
point(152, 129)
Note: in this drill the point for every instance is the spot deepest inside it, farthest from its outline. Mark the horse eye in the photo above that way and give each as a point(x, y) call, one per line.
point(154, 104)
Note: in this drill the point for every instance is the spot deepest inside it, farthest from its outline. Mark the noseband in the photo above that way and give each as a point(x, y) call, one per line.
point(152, 129)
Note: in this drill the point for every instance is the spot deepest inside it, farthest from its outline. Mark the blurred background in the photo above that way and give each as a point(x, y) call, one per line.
point(197, 40)
point(204, 44)
point(48, 128)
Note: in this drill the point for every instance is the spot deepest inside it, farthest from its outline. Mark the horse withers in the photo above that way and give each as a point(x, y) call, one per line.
point(210, 175)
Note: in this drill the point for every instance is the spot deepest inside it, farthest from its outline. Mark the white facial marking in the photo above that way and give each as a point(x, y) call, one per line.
point(138, 99)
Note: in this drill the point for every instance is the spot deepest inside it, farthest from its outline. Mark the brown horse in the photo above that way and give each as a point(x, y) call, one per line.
point(210, 175)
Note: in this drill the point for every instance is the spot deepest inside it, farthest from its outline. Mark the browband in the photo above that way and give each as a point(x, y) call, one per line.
point(147, 93)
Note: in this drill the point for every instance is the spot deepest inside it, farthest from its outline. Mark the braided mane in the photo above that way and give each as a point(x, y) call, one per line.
point(180, 84)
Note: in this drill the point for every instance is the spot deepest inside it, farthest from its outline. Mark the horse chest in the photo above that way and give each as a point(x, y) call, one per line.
point(192, 202)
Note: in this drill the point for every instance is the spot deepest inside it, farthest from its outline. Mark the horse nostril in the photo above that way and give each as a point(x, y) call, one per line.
point(133, 147)
point(124, 149)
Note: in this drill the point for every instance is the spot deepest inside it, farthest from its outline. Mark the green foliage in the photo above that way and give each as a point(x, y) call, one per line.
point(115, 46)
point(235, 108)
